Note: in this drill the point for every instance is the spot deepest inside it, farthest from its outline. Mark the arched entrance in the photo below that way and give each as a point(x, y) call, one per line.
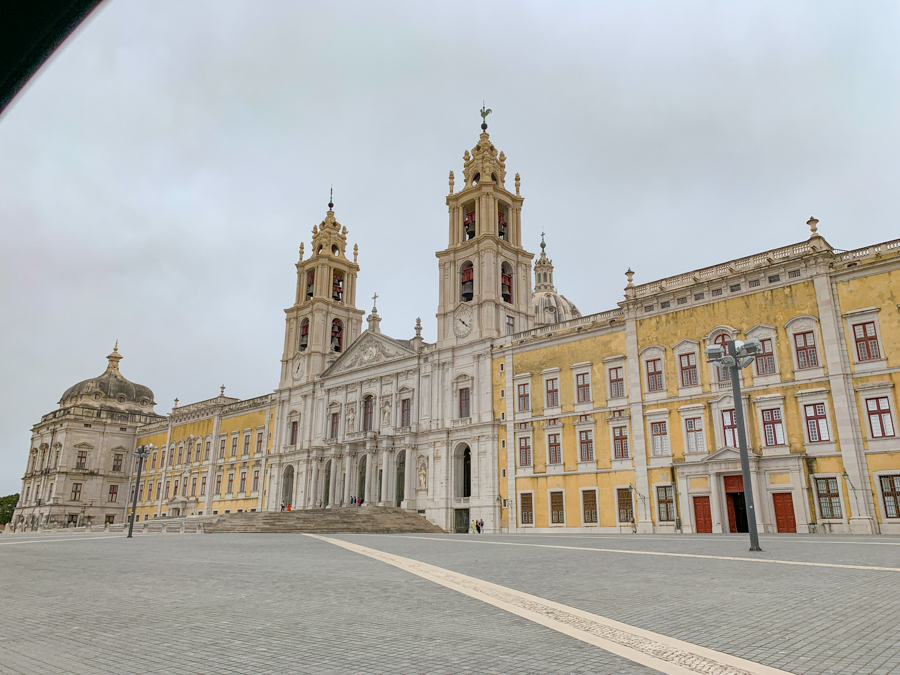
point(287, 486)
point(326, 490)
point(463, 478)
point(361, 485)
point(401, 477)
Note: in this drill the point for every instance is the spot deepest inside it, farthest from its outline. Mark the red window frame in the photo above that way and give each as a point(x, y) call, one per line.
point(805, 346)
point(234, 441)
point(206, 452)
point(153, 460)
point(654, 374)
point(729, 428)
point(222, 448)
point(696, 440)
point(246, 445)
point(665, 502)
point(829, 498)
point(255, 487)
point(202, 486)
point(218, 485)
point(880, 421)
point(168, 485)
point(890, 495)
point(243, 484)
point(405, 412)
point(620, 442)
point(524, 397)
point(175, 487)
point(259, 442)
point(76, 492)
point(816, 423)
point(158, 489)
point(659, 431)
point(114, 494)
point(866, 339)
point(525, 451)
point(765, 360)
point(80, 461)
point(586, 445)
point(552, 388)
point(230, 485)
point(554, 449)
point(583, 387)
point(117, 462)
point(180, 454)
point(773, 427)
point(294, 429)
point(464, 408)
point(193, 486)
point(724, 373)
point(616, 382)
point(688, 363)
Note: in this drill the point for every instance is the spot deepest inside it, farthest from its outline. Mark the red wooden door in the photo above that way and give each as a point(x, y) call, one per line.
point(784, 511)
point(732, 518)
point(702, 515)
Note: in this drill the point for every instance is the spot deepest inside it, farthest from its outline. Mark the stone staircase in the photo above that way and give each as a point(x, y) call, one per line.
point(343, 520)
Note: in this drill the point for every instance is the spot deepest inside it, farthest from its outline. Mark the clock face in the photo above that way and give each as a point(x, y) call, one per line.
point(463, 320)
point(299, 367)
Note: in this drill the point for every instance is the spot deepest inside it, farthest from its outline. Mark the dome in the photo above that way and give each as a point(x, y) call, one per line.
point(112, 385)
point(551, 307)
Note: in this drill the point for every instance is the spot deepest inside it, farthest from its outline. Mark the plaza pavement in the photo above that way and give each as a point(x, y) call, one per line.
point(186, 603)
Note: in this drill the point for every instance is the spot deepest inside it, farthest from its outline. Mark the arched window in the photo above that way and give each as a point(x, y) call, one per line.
point(469, 225)
point(368, 411)
point(466, 282)
point(337, 335)
point(310, 284)
point(304, 334)
point(467, 473)
point(462, 472)
point(724, 373)
point(337, 286)
point(506, 282)
point(501, 223)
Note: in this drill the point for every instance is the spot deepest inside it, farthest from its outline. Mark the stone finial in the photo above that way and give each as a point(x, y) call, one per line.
point(355, 251)
point(315, 230)
point(222, 390)
point(301, 250)
point(114, 358)
point(629, 287)
point(344, 230)
point(451, 182)
point(813, 223)
point(418, 327)
point(629, 275)
point(176, 404)
point(518, 184)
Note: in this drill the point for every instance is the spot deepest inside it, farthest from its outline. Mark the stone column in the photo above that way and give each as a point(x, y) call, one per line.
point(715, 506)
point(348, 477)
point(314, 484)
point(335, 481)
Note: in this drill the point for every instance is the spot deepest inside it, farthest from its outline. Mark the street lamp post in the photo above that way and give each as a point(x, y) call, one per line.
point(740, 355)
point(141, 454)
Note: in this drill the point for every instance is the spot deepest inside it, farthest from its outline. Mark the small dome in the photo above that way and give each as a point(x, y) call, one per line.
point(112, 385)
point(551, 307)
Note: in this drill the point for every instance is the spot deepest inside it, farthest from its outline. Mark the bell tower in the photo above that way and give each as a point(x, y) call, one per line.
point(324, 319)
point(485, 274)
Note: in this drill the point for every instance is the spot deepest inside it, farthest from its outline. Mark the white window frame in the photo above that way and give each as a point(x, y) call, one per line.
point(771, 402)
point(684, 348)
point(692, 411)
point(522, 378)
point(879, 389)
point(816, 396)
point(888, 525)
point(763, 331)
point(577, 369)
point(655, 502)
point(857, 316)
point(653, 353)
point(584, 425)
point(611, 423)
point(652, 417)
point(840, 486)
point(610, 363)
point(806, 323)
point(550, 374)
point(720, 405)
point(550, 428)
point(716, 383)
point(520, 434)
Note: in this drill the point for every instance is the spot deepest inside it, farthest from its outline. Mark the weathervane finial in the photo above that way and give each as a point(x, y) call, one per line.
point(331, 198)
point(484, 113)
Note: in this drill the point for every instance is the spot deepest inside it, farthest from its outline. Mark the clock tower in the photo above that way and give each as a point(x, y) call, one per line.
point(485, 274)
point(324, 320)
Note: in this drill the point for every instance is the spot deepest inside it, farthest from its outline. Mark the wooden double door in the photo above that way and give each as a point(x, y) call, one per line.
point(784, 512)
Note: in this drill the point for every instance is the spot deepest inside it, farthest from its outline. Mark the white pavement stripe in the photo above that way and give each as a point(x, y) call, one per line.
point(659, 652)
point(663, 553)
point(51, 541)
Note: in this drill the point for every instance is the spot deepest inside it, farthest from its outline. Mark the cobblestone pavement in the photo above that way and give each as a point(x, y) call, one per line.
point(87, 603)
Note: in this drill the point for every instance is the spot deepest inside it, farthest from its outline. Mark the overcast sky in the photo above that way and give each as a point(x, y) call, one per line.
point(159, 173)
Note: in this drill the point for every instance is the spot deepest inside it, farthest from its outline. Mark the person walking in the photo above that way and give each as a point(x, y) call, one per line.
point(478, 527)
point(482, 526)
point(282, 505)
point(473, 527)
point(633, 526)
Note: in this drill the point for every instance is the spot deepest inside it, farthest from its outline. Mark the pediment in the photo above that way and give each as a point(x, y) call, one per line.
point(725, 455)
point(84, 446)
point(369, 350)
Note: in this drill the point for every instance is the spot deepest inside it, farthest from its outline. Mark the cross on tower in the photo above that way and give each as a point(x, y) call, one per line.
point(374, 298)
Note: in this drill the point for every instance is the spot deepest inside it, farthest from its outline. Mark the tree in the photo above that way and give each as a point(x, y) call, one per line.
point(7, 506)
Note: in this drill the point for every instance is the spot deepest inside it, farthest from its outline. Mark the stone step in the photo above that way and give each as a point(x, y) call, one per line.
point(350, 519)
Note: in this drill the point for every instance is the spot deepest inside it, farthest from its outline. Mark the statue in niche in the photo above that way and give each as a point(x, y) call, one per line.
point(386, 414)
point(351, 420)
point(423, 474)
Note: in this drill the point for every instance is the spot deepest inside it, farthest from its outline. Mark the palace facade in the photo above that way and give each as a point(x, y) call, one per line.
point(524, 413)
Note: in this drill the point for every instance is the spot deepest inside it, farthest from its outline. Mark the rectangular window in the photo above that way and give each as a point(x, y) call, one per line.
point(243, 484)
point(180, 453)
point(665, 305)
point(765, 360)
point(688, 364)
point(589, 505)
point(81, 460)
point(555, 449)
point(230, 488)
point(527, 509)
point(816, 423)
point(754, 283)
point(552, 386)
point(406, 412)
point(716, 292)
point(806, 350)
point(194, 486)
point(773, 429)
point(829, 499)
point(654, 375)
point(620, 442)
point(557, 509)
point(648, 308)
point(695, 438)
point(510, 325)
point(259, 442)
point(866, 341)
point(141, 493)
point(335, 423)
point(153, 461)
point(660, 433)
point(76, 492)
point(735, 288)
point(682, 301)
point(222, 448)
point(256, 480)
point(524, 397)
point(368, 412)
point(114, 493)
point(150, 490)
point(665, 502)
point(464, 402)
point(624, 504)
point(218, 485)
point(168, 484)
point(774, 279)
point(206, 452)
point(175, 487)
point(890, 493)
point(699, 296)
point(793, 274)
point(616, 382)
point(586, 446)
point(294, 427)
point(583, 387)
point(524, 452)
point(234, 441)
point(729, 426)
point(203, 486)
point(158, 489)
point(880, 417)
point(246, 445)
point(117, 462)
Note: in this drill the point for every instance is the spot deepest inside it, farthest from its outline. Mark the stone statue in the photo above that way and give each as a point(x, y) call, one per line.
point(386, 414)
point(351, 420)
point(423, 475)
